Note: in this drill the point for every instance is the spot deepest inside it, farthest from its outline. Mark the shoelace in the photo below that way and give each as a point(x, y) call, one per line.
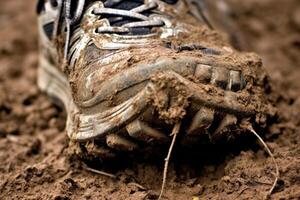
point(72, 18)
point(135, 13)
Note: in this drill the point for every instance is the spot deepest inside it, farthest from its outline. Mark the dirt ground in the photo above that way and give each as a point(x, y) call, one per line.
point(33, 145)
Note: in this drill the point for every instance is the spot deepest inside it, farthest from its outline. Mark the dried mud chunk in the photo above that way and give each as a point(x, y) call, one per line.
point(178, 97)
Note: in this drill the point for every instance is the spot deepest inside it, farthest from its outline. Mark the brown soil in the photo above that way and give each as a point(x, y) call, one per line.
point(34, 161)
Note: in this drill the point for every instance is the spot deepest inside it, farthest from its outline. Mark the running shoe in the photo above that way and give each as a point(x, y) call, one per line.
point(128, 71)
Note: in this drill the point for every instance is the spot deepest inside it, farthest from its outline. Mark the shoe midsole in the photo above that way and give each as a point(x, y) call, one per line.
point(82, 126)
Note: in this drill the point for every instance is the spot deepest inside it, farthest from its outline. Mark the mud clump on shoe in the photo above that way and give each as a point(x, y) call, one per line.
point(170, 98)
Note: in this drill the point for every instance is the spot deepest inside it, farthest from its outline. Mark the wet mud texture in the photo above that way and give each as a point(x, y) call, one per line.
point(33, 144)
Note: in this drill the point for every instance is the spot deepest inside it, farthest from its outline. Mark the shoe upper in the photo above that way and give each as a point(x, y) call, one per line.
point(106, 47)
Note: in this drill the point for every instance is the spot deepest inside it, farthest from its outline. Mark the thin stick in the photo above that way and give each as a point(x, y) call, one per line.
point(99, 172)
point(273, 159)
point(137, 185)
point(174, 134)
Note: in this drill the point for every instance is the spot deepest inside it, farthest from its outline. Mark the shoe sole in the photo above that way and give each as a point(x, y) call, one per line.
point(208, 100)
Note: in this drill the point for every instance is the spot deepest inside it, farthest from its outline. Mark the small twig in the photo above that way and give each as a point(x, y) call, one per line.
point(137, 185)
point(263, 183)
point(174, 134)
point(273, 159)
point(98, 171)
point(241, 192)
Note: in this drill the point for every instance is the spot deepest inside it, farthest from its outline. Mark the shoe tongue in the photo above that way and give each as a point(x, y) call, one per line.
point(124, 5)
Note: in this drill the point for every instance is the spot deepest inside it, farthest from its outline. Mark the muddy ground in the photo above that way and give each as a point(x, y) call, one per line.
point(33, 155)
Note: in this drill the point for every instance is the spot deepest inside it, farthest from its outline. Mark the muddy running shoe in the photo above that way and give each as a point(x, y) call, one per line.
point(127, 71)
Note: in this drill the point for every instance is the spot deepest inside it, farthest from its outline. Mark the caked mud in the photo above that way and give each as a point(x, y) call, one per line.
point(34, 149)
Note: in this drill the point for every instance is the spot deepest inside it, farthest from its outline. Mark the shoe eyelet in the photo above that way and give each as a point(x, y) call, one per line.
point(95, 31)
